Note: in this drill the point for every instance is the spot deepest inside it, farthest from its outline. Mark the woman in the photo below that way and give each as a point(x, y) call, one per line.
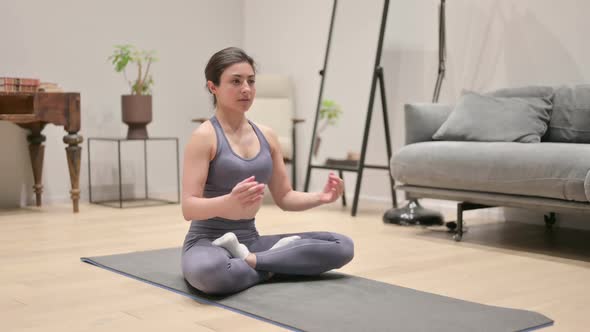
point(228, 162)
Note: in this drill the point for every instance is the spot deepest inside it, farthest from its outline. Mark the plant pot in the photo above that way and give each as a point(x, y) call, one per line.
point(136, 112)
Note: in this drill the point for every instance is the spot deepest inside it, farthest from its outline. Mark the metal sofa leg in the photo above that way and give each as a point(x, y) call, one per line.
point(550, 220)
point(459, 232)
point(465, 206)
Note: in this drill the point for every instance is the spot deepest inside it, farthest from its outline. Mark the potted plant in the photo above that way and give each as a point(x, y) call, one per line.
point(329, 113)
point(136, 108)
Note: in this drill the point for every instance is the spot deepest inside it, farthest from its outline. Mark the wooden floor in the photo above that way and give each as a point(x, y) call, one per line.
point(45, 287)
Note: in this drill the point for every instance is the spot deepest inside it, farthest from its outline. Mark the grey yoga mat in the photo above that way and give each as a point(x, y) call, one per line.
point(329, 302)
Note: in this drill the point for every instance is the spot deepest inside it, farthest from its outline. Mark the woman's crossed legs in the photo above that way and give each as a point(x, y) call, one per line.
point(214, 270)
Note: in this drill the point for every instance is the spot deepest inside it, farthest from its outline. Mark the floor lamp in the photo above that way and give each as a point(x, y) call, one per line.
point(413, 213)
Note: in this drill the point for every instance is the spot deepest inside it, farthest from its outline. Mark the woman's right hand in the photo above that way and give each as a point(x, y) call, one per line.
point(244, 199)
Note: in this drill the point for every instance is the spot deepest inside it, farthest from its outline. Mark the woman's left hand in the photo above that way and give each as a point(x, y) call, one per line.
point(333, 189)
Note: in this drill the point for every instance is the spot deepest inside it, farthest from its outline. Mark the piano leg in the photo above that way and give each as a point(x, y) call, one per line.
point(74, 152)
point(37, 152)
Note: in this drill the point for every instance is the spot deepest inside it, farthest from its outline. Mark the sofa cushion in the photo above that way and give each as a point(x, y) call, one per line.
point(554, 170)
point(570, 121)
point(480, 117)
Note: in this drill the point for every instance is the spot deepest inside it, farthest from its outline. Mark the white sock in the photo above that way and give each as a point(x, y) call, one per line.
point(284, 241)
point(229, 241)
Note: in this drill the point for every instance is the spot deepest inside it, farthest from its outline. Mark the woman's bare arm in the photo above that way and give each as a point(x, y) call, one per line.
point(198, 152)
point(280, 187)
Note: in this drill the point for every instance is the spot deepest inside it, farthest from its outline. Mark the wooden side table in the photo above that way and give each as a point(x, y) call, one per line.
point(33, 111)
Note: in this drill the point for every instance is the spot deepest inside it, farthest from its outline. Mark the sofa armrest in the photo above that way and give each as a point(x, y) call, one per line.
point(423, 120)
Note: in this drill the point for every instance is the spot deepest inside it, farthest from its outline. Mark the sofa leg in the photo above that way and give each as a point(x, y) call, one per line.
point(459, 232)
point(465, 206)
point(550, 220)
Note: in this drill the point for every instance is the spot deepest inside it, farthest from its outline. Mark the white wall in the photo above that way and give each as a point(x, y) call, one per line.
point(68, 42)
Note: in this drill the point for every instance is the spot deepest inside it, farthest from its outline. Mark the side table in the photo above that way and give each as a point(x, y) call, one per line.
point(32, 111)
point(122, 202)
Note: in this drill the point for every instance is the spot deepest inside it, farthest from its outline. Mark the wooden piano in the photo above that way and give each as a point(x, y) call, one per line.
point(32, 111)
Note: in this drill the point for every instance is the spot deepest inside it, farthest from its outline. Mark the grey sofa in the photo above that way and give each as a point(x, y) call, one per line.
point(551, 176)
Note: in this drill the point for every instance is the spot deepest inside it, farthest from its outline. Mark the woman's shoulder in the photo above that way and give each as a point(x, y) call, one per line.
point(269, 134)
point(266, 130)
point(204, 137)
point(204, 131)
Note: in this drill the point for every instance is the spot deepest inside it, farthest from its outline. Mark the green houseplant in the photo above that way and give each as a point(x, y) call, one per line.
point(136, 107)
point(330, 111)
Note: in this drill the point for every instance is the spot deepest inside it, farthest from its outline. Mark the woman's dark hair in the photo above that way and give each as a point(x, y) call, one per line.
point(223, 59)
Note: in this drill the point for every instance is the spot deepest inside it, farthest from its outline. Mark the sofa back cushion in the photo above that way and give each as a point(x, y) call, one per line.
point(570, 120)
point(570, 117)
point(479, 117)
point(532, 91)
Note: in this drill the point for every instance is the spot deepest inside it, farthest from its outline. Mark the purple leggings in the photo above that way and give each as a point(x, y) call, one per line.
point(212, 269)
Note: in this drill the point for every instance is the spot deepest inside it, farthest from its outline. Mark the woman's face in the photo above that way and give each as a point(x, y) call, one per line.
point(237, 89)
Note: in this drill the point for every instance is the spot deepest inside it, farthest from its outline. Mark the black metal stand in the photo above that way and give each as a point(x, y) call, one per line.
point(294, 158)
point(377, 76)
point(146, 200)
point(413, 213)
point(442, 50)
